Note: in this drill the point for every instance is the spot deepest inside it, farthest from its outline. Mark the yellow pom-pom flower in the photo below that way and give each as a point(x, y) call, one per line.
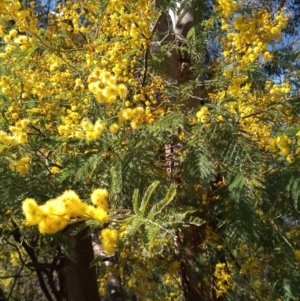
point(99, 198)
point(109, 239)
point(203, 115)
point(98, 214)
point(32, 212)
point(74, 207)
point(114, 128)
point(52, 224)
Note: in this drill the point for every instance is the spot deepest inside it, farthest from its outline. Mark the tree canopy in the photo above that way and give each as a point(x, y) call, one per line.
point(153, 144)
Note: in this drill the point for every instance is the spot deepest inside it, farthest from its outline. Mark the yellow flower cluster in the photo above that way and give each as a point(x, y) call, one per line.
point(248, 36)
point(9, 86)
point(247, 39)
point(25, 18)
point(99, 198)
point(109, 239)
point(10, 140)
point(223, 279)
point(57, 88)
point(90, 131)
point(16, 40)
point(57, 213)
point(203, 115)
point(114, 128)
point(282, 144)
point(105, 87)
point(226, 7)
point(251, 104)
point(135, 116)
point(134, 23)
point(17, 136)
point(140, 279)
point(20, 165)
point(297, 255)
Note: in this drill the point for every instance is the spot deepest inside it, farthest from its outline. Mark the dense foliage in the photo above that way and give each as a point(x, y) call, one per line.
point(176, 150)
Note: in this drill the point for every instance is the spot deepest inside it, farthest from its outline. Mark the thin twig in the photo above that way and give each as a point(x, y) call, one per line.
point(15, 281)
point(261, 111)
point(147, 51)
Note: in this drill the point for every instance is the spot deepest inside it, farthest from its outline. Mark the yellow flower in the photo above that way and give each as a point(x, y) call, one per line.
point(290, 158)
point(55, 207)
point(122, 91)
point(55, 170)
point(87, 125)
point(114, 128)
point(127, 114)
point(92, 135)
point(267, 56)
point(135, 124)
point(20, 166)
point(109, 239)
point(203, 115)
point(272, 145)
point(98, 214)
point(32, 212)
point(73, 205)
point(99, 126)
point(52, 224)
point(138, 112)
point(99, 198)
point(122, 231)
point(297, 255)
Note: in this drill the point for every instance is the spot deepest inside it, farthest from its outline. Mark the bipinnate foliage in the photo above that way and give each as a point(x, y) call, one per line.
point(87, 102)
point(155, 221)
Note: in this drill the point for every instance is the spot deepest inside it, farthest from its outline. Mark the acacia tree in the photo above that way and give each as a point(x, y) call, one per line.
point(171, 131)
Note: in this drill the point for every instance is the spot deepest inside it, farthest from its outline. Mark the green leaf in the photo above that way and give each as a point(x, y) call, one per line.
point(136, 223)
point(157, 208)
point(196, 221)
point(293, 190)
point(136, 201)
point(191, 33)
point(82, 225)
point(95, 261)
point(116, 179)
point(177, 218)
point(147, 196)
point(152, 233)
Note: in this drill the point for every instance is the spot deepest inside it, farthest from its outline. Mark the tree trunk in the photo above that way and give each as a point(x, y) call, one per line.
point(80, 280)
point(114, 287)
point(194, 288)
point(175, 67)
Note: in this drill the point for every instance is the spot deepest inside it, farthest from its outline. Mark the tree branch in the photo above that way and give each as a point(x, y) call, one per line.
point(31, 253)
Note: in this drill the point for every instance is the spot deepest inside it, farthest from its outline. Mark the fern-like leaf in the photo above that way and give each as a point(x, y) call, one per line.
point(293, 190)
point(136, 201)
point(157, 208)
point(147, 196)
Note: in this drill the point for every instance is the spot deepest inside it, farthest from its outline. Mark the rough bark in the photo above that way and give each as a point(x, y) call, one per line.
point(80, 280)
point(188, 241)
point(195, 288)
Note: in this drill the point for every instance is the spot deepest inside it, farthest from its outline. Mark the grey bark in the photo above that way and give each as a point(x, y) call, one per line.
point(189, 238)
point(114, 288)
point(176, 66)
